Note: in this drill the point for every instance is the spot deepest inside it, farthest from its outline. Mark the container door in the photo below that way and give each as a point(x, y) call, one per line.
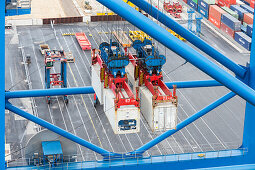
point(168, 117)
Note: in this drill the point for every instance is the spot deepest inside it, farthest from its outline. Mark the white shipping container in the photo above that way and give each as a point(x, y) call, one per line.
point(130, 69)
point(97, 85)
point(125, 119)
point(161, 116)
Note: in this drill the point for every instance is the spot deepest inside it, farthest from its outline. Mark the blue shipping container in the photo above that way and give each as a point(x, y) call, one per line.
point(192, 4)
point(231, 22)
point(202, 11)
point(239, 10)
point(247, 8)
point(243, 40)
point(18, 11)
point(203, 5)
point(249, 30)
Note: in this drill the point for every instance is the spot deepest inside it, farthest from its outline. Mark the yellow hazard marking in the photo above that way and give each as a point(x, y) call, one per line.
point(201, 155)
point(86, 107)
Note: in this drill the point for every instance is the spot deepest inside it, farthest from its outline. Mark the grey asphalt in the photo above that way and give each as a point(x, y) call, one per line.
point(220, 129)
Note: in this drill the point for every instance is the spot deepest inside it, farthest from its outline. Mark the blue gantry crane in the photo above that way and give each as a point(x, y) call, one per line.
point(242, 84)
point(55, 79)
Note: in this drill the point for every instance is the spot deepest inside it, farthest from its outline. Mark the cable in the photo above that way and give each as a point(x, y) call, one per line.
point(177, 67)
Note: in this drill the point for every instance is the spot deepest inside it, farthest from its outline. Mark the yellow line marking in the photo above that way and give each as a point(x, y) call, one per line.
point(86, 107)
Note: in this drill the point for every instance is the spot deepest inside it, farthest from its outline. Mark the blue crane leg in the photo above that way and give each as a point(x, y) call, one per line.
point(177, 46)
point(184, 123)
point(249, 125)
point(199, 43)
point(193, 84)
point(49, 92)
point(57, 130)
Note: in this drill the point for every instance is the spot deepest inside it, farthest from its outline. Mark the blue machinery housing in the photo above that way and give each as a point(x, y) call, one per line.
point(242, 86)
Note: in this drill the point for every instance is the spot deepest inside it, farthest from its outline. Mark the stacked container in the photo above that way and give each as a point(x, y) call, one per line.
point(230, 25)
point(215, 13)
point(249, 30)
point(252, 3)
point(243, 40)
point(192, 4)
point(227, 3)
point(248, 18)
point(239, 10)
point(247, 8)
point(231, 12)
point(203, 7)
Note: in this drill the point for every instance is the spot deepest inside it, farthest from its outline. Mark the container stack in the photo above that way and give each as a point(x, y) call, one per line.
point(233, 17)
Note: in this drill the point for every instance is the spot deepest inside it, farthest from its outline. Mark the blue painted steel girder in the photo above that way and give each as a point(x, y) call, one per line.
point(177, 46)
point(199, 43)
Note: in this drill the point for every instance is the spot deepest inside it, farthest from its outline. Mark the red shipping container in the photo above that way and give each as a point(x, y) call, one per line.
point(214, 21)
point(248, 18)
point(185, 1)
point(226, 3)
point(216, 12)
point(231, 2)
point(227, 30)
point(252, 3)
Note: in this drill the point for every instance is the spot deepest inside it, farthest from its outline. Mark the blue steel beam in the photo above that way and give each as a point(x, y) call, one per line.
point(2, 84)
point(90, 90)
point(184, 123)
point(199, 43)
point(177, 46)
point(193, 84)
point(49, 92)
point(58, 130)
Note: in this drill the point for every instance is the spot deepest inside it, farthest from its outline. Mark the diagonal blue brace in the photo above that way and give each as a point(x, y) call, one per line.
point(59, 131)
point(192, 38)
point(177, 46)
point(184, 123)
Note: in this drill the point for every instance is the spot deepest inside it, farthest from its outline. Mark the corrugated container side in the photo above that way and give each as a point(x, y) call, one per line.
point(248, 18)
point(239, 10)
point(203, 5)
point(231, 12)
point(249, 30)
point(203, 12)
point(231, 22)
point(227, 30)
point(185, 1)
point(243, 28)
point(214, 21)
point(192, 4)
point(130, 69)
point(243, 40)
point(96, 82)
point(247, 8)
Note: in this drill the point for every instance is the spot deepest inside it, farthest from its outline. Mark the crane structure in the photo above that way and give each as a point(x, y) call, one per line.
point(109, 80)
point(55, 79)
point(242, 84)
point(158, 104)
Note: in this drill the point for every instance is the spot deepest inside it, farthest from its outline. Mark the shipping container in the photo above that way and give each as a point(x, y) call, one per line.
point(239, 10)
point(211, 2)
point(203, 12)
point(248, 18)
point(238, 2)
point(243, 28)
point(160, 116)
point(123, 120)
point(214, 21)
point(243, 40)
point(195, 1)
point(231, 22)
point(249, 30)
point(231, 12)
point(185, 1)
point(130, 70)
point(216, 12)
point(96, 83)
point(227, 30)
point(203, 5)
point(227, 3)
point(83, 40)
point(252, 3)
point(192, 4)
point(247, 8)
